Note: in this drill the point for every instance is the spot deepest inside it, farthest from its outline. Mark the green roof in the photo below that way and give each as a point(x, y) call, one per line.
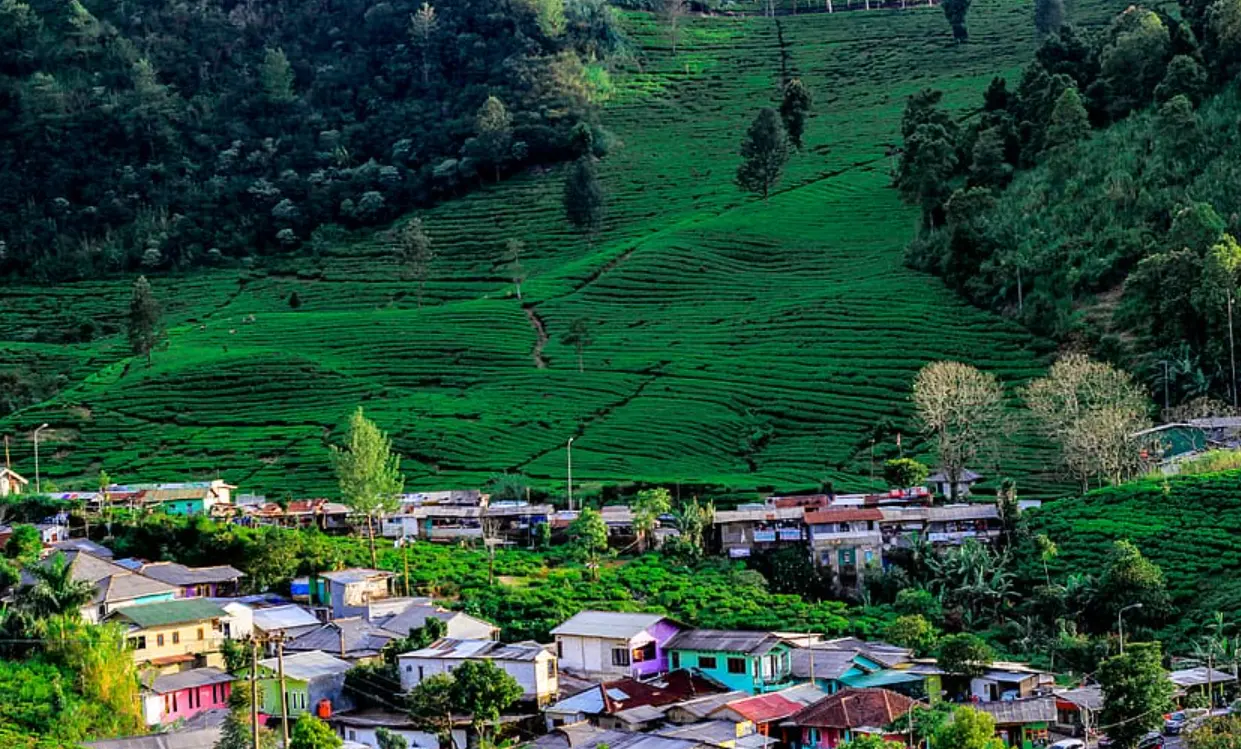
point(171, 612)
point(881, 679)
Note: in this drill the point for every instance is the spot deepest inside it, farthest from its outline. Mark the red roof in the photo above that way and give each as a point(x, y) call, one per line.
point(843, 515)
point(762, 709)
point(676, 686)
point(813, 500)
point(855, 708)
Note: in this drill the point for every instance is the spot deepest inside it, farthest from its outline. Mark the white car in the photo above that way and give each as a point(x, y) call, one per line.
point(1069, 744)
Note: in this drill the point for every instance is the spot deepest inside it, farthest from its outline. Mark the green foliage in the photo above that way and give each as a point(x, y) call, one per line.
point(1049, 16)
point(919, 602)
point(1128, 579)
point(903, 473)
point(311, 733)
point(579, 336)
point(276, 77)
point(479, 689)
point(1222, 732)
point(432, 704)
point(795, 106)
point(55, 592)
point(1136, 693)
point(389, 740)
point(25, 545)
point(955, 11)
point(964, 654)
point(236, 732)
point(764, 152)
point(104, 669)
point(871, 741)
point(969, 729)
point(1069, 122)
point(584, 196)
point(369, 471)
point(913, 632)
point(145, 332)
point(647, 507)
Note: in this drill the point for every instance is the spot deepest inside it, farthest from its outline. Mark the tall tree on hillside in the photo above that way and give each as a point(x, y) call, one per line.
point(1048, 16)
point(926, 168)
point(764, 152)
point(579, 337)
point(145, 319)
point(955, 11)
point(794, 108)
point(673, 12)
point(493, 132)
point(484, 690)
point(416, 253)
point(511, 261)
point(55, 591)
point(649, 505)
point(1092, 410)
point(965, 654)
point(276, 77)
point(963, 409)
point(431, 705)
point(1069, 121)
point(368, 472)
point(1129, 578)
point(422, 25)
point(1136, 693)
point(1216, 296)
point(584, 196)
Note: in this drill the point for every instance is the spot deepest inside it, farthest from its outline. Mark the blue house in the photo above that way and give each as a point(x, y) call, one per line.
point(754, 662)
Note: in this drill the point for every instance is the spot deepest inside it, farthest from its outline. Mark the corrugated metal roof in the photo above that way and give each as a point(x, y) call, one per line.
point(202, 739)
point(351, 636)
point(589, 702)
point(615, 625)
point(450, 648)
point(278, 618)
point(1194, 677)
point(1028, 710)
point(843, 515)
point(827, 664)
point(178, 574)
point(197, 677)
point(762, 708)
point(171, 612)
point(309, 665)
point(963, 512)
point(724, 641)
point(356, 575)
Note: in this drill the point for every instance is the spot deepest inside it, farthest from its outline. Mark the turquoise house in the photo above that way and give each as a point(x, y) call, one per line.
point(754, 662)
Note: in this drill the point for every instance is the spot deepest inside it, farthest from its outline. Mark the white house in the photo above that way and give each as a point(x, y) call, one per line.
point(412, 616)
point(531, 664)
point(351, 591)
point(11, 482)
point(362, 726)
point(1010, 681)
point(239, 624)
point(614, 644)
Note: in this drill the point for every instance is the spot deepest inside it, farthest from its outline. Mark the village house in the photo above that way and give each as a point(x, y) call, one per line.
point(1023, 723)
point(169, 698)
point(352, 639)
point(941, 484)
point(760, 714)
point(756, 527)
point(195, 582)
point(599, 701)
point(531, 664)
point(943, 525)
point(174, 635)
point(1077, 710)
point(289, 620)
point(81, 544)
point(314, 682)
point(845, 542)
point(11, 483)
point(612, 644)
point(753, 662)
point(1202, 682)
point(187, 498)
point(348, 592)
point(327, 516)
point(586, 736)
point(697, 709)
point(516, 523)
point(839, 718)
point(53, 531)
point(115, 586)
point(1009, 681)
point(362, 727)
point(457, 625)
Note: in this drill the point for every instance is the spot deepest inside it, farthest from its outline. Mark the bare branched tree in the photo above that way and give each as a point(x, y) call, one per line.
point(962, 408)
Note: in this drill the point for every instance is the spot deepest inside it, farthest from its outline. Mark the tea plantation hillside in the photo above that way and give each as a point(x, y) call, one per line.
point(736, 342)
point(1189, 525)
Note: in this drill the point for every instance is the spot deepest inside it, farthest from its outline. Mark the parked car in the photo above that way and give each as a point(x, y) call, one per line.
point(1069, 744)
point(1175, 723)
point(1152, 740)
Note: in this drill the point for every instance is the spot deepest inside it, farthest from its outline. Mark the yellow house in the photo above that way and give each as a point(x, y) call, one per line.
point(174, 636)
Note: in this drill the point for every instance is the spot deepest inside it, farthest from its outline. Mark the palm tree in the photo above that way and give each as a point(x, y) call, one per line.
point(55, 592)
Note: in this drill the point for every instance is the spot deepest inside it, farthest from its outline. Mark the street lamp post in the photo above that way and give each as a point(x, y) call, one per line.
point(38, 485)
point(1120, 623)
point(570, 459)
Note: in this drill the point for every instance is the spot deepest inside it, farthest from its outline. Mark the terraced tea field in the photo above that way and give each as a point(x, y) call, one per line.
point(714, 315)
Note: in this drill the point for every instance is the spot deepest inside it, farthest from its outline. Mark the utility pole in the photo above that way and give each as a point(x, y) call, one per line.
point(405, 553)
point(570, 455)
point(254, 689)
point(284, 693)
point(1232, 356)
point(1166, 375)
point(39, 485)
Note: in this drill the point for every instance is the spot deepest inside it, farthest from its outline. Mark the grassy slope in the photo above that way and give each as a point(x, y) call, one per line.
point(705, 303)
point(1189, 525)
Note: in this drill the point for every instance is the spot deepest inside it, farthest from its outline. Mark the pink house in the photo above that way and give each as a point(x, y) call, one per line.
point(183, 695)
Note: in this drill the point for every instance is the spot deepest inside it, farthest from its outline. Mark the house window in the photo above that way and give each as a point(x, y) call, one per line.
point(421, 674)
point(708, 662)
point(200, 633)
point(159, 641)
point(174, 702)
point(620, 656)
point(167, 703)
point(409, 668)
point(138, 643)
point(676, 661)
point(736, 666)
point(353, 735)
point(559, 648)
point(644, 653)
point(176, 638)
point(551, 669)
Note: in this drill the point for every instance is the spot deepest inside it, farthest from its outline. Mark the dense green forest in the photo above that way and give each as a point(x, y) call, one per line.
point(1094, 197)
point(166, 135)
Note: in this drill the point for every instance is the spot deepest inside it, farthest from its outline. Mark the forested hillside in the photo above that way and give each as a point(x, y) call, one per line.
point(1095, 199)
point(729, 341)
point(168, 135)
